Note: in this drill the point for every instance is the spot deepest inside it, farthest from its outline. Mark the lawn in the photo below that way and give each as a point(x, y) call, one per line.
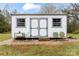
point(73, 35)
point(66, 49)
point(5, 36)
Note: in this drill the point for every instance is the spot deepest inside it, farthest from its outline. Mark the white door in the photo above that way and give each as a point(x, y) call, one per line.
point(43, 27)
point(34, 27)
point(39, 27)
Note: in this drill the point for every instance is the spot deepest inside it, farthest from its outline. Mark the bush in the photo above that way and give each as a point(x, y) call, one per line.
point(76, 31)
point(61, 34)
point(55, 34)
point(4, 26)
point(72, 26)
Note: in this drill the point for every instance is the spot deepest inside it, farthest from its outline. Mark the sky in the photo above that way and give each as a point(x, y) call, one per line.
point(29, 7)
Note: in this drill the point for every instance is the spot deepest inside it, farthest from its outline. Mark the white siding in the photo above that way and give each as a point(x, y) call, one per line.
point(51, 29)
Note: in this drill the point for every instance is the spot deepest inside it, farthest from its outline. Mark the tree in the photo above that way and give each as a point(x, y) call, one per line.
point(48, 9)
point(4, 26)
point(75, 7)
point(7, 11)
point(72, 17)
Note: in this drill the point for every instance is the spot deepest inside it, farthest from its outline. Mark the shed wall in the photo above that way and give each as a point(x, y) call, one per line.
point(51, 29)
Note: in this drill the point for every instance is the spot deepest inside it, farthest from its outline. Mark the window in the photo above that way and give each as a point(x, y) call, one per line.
point(56, 22)
point(21, 22)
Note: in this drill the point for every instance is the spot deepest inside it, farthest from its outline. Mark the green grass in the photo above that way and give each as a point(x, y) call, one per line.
point(66, 49)
point(4, 36)
point(73, 35)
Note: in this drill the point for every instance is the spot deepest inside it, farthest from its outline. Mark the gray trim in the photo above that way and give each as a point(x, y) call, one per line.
point(54, 22)
point(34, 14)
point(31, 26)
point(20, 26)
point(46, 26)
point(39, 27)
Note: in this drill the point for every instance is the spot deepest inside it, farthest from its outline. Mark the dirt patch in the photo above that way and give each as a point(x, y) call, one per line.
point(51, 42)
point(29, 42)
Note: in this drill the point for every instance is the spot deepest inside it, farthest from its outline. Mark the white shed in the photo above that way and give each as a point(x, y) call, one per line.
point(38, 25)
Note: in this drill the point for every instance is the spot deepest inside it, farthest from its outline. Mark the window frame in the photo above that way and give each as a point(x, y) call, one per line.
point(56, 22)
point(17, 22)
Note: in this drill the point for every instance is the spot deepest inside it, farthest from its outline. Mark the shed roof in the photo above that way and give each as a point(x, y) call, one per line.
point(34, 14)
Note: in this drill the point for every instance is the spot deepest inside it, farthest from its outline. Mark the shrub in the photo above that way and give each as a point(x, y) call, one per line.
point(61, 34)
point(55, 34)
point(4, 26)
point(76, 31)
point(72, 26)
